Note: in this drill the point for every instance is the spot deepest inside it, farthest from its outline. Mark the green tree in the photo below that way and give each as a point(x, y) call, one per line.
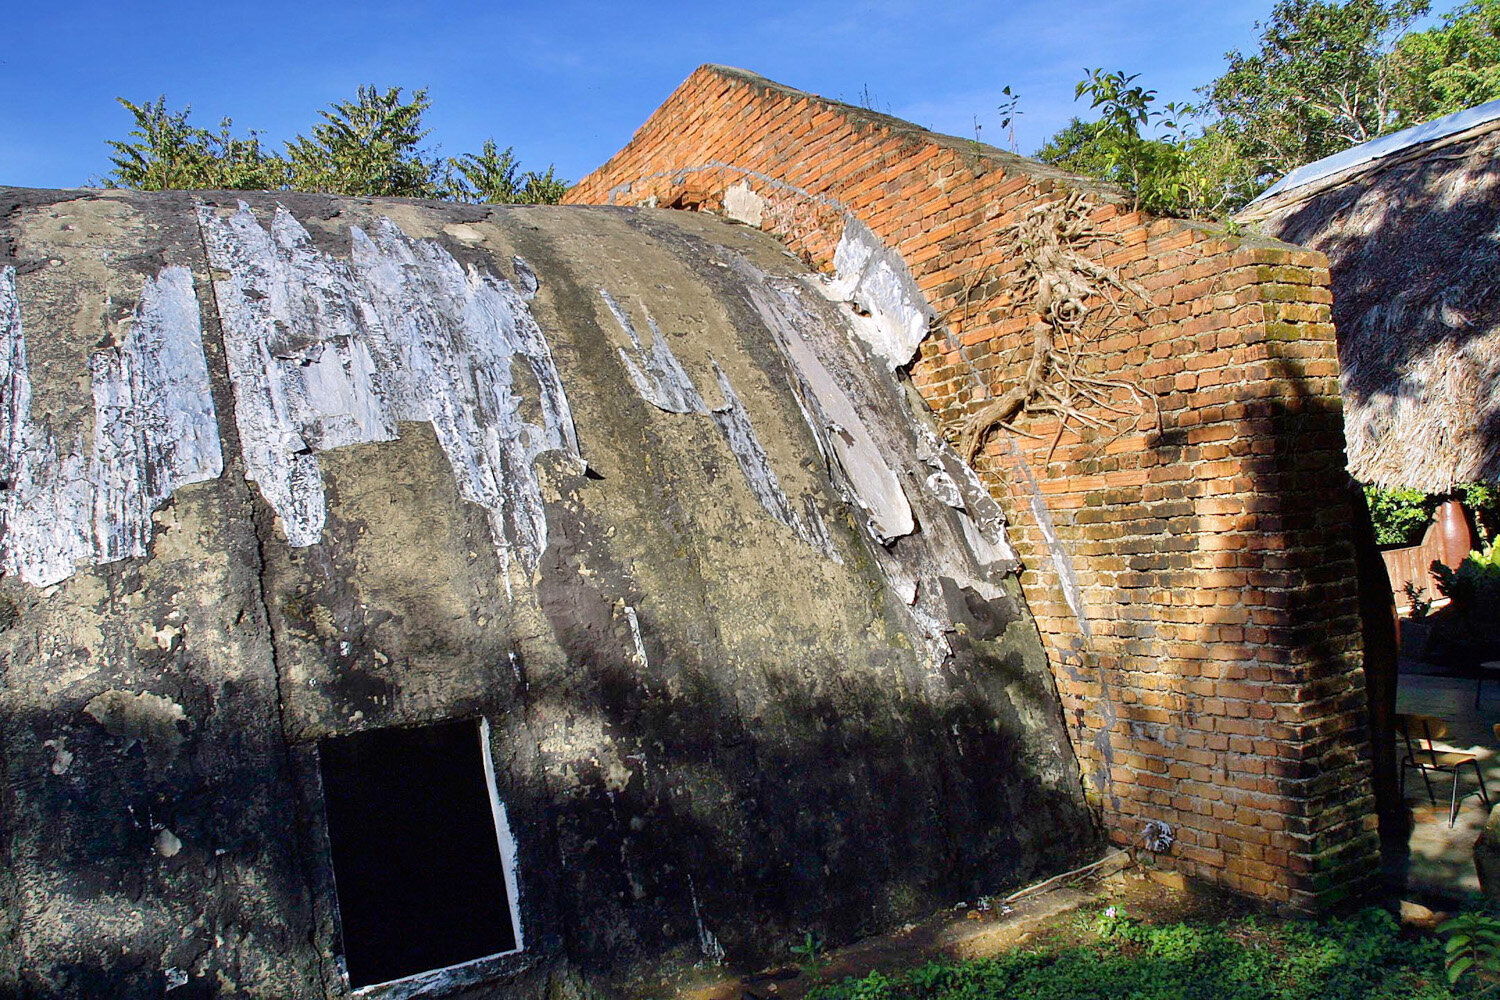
point(167, 152)
point(1320, 82)
point(1453, 66)
point(370, 147)
point(1152, 169)
point(1076, 147)
point(543, 189)
point(494, 176)
point(1157, 154)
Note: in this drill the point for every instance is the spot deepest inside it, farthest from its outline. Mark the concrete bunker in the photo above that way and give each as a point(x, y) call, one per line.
point(286, 472)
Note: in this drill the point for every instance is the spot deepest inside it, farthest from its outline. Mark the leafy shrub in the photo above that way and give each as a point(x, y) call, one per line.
point(1400, 516)
point(1475, 585)
point(1473, 945)
point(1484, 500)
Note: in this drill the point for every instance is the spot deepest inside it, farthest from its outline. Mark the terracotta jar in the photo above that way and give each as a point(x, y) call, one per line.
point(1454, 537)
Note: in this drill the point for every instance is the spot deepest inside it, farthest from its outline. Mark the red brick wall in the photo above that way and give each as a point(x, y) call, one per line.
point(1191, 572)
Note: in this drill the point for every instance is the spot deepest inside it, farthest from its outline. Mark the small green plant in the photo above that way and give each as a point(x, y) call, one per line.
point(810, 956)
point(1110, 922)
point(1010, 110)
point(1416, 599)
point(1472, 945)
point(1483, 499)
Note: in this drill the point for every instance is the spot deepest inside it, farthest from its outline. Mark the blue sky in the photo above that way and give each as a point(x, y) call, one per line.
point(568, 82)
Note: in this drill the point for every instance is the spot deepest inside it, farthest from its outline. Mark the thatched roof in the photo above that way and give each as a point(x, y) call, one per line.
point(1413, 241)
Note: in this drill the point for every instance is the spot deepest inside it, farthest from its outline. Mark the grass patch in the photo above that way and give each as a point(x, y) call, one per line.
point(1114, 957)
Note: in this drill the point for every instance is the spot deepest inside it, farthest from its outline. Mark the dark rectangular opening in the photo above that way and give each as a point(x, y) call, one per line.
point(416, 832)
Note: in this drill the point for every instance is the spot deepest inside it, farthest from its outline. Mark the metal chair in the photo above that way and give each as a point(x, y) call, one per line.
point(1419, 731)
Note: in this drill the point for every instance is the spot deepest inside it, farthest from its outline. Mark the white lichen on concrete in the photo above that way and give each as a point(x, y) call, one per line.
point(325, 353)
point(656, 372)
point(876, 279)
point(154, 431)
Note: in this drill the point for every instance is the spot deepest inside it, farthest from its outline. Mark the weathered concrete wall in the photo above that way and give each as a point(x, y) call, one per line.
point(622, 482)
point(1187, 556)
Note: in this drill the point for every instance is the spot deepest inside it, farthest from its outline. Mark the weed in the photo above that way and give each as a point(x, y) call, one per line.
point(810, 957)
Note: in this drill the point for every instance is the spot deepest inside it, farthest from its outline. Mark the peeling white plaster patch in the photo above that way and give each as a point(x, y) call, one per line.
point(942, 486)
point(154, 423)
point(48, 497)
point(927, 513)
point(735, 424)
point(168, 844)
point(635, 633)
point(832, 415)
point(708, 943)
point(979, 514)
point(662, 381)
point(154, 430)
point(657, 374)
point(875, 277)
point(325, 353)
point(743, 205)
point(459, 334)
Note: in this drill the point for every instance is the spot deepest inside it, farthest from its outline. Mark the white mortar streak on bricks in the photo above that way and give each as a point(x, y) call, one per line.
point(324, 353)
point(154, 431)
point(657, 374)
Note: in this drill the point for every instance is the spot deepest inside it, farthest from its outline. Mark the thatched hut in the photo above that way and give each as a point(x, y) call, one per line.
point(1411, 226)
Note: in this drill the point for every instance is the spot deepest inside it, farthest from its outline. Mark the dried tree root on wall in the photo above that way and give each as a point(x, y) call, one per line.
point(1059, 283)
